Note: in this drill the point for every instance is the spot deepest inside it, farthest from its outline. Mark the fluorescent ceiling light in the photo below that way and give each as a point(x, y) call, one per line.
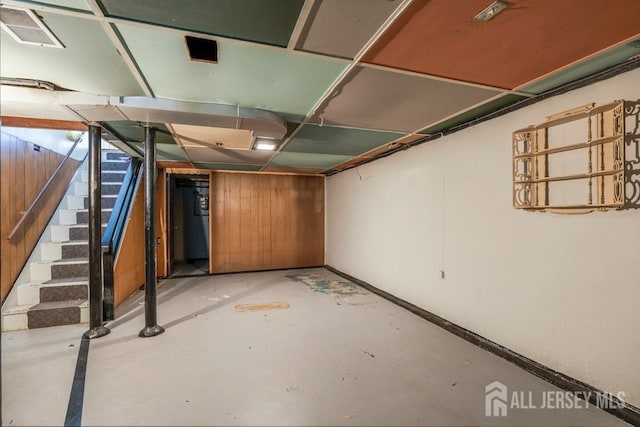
point(268, 146)
point(491, 11)
point(265, 144)
point(25, 27)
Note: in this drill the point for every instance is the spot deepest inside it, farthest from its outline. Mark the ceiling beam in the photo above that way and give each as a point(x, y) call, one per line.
point(26, 122)
point(345, 73)
point(303, 17)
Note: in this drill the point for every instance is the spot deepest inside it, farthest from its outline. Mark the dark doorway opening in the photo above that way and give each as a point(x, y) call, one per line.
point(188, 225)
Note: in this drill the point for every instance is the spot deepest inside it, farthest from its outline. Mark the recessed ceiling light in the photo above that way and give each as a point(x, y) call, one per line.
point(268, 146)
point(25, 27)
point(265, 144)
point(491, 11)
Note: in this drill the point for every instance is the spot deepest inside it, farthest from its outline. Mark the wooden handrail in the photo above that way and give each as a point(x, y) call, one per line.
point(33, 204)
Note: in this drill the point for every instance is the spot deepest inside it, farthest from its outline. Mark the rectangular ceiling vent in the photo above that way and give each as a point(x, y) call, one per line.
point(203, 50)
point(25, 27)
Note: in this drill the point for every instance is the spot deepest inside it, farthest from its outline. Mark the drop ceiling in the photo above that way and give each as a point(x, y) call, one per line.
point(340, 81)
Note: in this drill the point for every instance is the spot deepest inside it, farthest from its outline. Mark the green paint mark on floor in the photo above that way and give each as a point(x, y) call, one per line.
point(327, 286)
point(343, 291)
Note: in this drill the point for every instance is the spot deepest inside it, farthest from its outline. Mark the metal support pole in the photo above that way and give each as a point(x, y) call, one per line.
point(151, 328)
point(96, 328)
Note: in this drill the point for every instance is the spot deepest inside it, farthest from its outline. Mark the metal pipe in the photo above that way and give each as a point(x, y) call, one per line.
point(96, 328)
point(150, 304)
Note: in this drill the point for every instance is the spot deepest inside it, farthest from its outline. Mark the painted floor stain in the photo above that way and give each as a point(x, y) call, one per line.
point(262, 307)
point(343, 291)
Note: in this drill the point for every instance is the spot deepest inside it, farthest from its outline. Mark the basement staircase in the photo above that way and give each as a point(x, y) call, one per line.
point(53, 288)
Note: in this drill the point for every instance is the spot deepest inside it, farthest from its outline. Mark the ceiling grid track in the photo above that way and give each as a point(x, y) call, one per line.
point(118, 42)
point(300, 24)
point(178, 141)
point(356, 60)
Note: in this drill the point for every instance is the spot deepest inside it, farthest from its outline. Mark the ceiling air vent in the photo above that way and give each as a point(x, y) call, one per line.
point(203, 50)
point(24, 26)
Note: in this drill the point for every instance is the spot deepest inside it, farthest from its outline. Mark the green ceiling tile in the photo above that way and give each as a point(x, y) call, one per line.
point(166, 152)
point(222, 166)
point(88, 63)
point(170, 152)
point(252, 76)
point(474, 113)
point(262, 21)
point(301, 160)
point(337, 140)
point(125, 148)
point(66, 4)
point(132, 131)
point(585, 68)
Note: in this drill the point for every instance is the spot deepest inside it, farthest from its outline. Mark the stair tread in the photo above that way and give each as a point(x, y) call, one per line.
point(71, 260)
point(87, 210)
point(67, 281)
point(63, 261)
point(57, 304)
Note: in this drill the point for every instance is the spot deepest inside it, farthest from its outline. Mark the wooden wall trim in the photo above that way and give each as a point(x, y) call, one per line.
point(26, 122)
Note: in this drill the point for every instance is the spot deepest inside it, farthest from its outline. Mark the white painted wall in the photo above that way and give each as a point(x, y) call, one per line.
point(560, 289)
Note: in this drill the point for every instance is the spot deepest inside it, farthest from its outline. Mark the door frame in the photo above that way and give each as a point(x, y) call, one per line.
point(167, 209)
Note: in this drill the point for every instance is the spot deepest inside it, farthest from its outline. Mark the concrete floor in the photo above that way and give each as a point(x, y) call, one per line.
point(267, 349)
point(198, 267)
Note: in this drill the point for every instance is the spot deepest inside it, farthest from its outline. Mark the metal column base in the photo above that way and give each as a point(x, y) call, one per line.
point(96, 332)
point(151, 331)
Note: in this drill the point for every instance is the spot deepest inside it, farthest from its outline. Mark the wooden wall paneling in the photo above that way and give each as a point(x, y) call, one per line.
point(256, 222)
point(16, 208)
point(222, 215)
point(246, 226)
point(128, 270)
point(5, 155)
point(264, 234)
point(212, 205)
point(233, 217)
point(161, 223)
point(216, 224)
point(23, 173)
point(277, 231)
point(29, 191)
point(262, 221)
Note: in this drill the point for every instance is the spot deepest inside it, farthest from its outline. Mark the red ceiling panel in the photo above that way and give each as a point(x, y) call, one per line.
point(527, 40)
